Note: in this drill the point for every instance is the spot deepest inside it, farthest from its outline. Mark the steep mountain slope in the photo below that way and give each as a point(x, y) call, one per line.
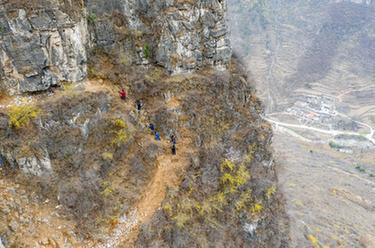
point(91, 160)
point(79, 167)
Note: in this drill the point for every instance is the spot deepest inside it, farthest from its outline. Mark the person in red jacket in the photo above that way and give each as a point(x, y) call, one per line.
point(123, 94)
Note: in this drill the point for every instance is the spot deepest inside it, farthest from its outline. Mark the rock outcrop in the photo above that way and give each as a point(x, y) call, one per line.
point(179, 35)
point(40, 46)
point(45, 42)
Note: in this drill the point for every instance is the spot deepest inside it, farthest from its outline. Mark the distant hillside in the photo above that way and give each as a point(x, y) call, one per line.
point(314, 66)
point(319, 47)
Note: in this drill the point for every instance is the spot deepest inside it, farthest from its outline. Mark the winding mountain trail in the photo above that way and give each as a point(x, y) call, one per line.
point(169, 168)
point(168, 174)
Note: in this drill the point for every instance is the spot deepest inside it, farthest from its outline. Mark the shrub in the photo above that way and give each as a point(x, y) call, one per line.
point(218, 200)
point(314, 241)
point(234, 177)
point(211, 205)
point(121, 134)
point(245, 197)
point(107, 189)
point(242, 176)
point(147, 51)
point(69, 88)
point(20, 116)
point(121, 138)
point(107, 192)
point(91, 72)
point(270, 192)
point(91, 18)
point(208, 209)
point(181, 219)
point(257, 208)
point(250, 154)
point(360, 169)
point(119, 123)
point(107, 156)
point(228, 180)
point(227, 165)
point(167, 208)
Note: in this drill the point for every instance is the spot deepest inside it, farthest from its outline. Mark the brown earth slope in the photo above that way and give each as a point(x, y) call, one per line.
point(108, 183)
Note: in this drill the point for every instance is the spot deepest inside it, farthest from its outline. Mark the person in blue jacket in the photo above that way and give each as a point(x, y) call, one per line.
point(157, 136)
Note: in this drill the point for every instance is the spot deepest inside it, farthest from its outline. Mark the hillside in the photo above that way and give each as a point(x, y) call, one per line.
point(80, 167)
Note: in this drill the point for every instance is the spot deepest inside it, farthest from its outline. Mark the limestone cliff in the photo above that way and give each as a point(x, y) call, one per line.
point(43, 43)
point(179, 35)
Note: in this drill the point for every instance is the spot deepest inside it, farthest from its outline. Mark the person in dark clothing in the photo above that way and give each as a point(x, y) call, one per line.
point(152, 127)
point(123, 94)
point(173, 139)
point(139, 105)
point(174, 150)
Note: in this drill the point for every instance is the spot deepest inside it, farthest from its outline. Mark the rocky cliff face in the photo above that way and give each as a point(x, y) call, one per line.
point(179, 35)
point(45, 42)
point(40, 45)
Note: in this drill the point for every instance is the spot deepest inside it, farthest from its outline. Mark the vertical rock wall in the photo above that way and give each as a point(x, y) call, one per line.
point(40, 46)
point(193, 35)
point(44, 42)
point(181, 35)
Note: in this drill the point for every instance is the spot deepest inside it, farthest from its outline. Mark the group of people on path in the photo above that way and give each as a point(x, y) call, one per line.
point(123, 95)
point(158, 138)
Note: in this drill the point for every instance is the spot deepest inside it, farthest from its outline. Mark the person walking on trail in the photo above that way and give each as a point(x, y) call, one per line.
point(173, 139)
point(174, 149)
point(123, 94)
point(152, 127)
point(139, 105)
point(157, 136)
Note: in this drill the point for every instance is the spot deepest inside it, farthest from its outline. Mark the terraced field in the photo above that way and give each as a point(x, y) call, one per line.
point(314, 64)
